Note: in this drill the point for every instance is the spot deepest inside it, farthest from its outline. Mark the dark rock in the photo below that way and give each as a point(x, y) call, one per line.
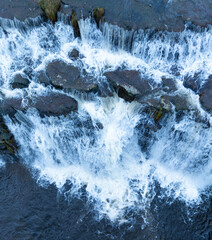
point(10, 105)
point(129, 83)
point(206, 95)
point(50, 7)
point(42, 78)
point(158, 114)
point(20, 81)
point(130, 86)
point(20, 9)
point(75, 25)
point(55, 104)
point(169, 84)
point(74, 54)
point(98, 13)
point(62, 75)
point(4, 135)
point(123, 93)
point(180, 102)
point(7, 142)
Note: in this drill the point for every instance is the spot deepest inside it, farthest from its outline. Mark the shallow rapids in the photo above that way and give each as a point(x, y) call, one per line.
point(104, 147)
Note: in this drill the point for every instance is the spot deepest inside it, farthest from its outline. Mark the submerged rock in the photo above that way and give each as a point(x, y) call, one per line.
point(20, 82)
point(74, 54)
point(66, 76)
point(50, 7)
point(206, 95)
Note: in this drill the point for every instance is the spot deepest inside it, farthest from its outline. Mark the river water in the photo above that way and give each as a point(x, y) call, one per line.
point(90, 168)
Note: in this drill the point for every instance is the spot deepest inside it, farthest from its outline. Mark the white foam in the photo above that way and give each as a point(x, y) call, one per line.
point(109, 160)
point(2, 163)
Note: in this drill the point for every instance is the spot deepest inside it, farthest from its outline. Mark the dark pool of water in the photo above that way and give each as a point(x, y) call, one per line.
point(31, 212)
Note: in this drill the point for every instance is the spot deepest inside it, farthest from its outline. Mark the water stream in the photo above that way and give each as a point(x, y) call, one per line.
point(99, 147)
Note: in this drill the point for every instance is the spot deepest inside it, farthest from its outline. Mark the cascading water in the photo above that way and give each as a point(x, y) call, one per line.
point(99, 146)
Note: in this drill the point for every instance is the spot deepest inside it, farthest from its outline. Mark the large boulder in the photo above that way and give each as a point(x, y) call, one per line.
point(50, 7)
point(161, 97)
point(129, 82)
point(53, 104)
point(66, 76)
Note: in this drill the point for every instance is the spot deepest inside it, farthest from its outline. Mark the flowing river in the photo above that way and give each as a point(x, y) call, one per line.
point(127, 177)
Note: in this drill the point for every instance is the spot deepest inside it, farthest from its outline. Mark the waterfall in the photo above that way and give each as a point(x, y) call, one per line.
point(99, 147)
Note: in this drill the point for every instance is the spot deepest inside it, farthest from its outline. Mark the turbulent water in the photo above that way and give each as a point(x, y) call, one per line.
point(99, 147)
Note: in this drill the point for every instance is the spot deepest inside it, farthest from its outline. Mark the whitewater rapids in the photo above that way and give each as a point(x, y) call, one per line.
point(98, 148)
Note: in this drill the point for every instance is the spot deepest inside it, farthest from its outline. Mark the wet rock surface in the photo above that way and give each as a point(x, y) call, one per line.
point(9, 106)
point(131, 81)
point(206, 95)
point(74, 54)
point(130, 86)
point(50, 7)
point(20, 81)
point(53, 104)
point(7, 142)
point(42, 78)
point(75, 25)
point(168, 85)
point(62, 75)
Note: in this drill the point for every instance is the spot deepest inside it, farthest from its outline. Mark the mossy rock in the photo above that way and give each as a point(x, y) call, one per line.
point(159, 114)
point(98, 13)
point(50, 7)
point(11, 146)
point(75, 25)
